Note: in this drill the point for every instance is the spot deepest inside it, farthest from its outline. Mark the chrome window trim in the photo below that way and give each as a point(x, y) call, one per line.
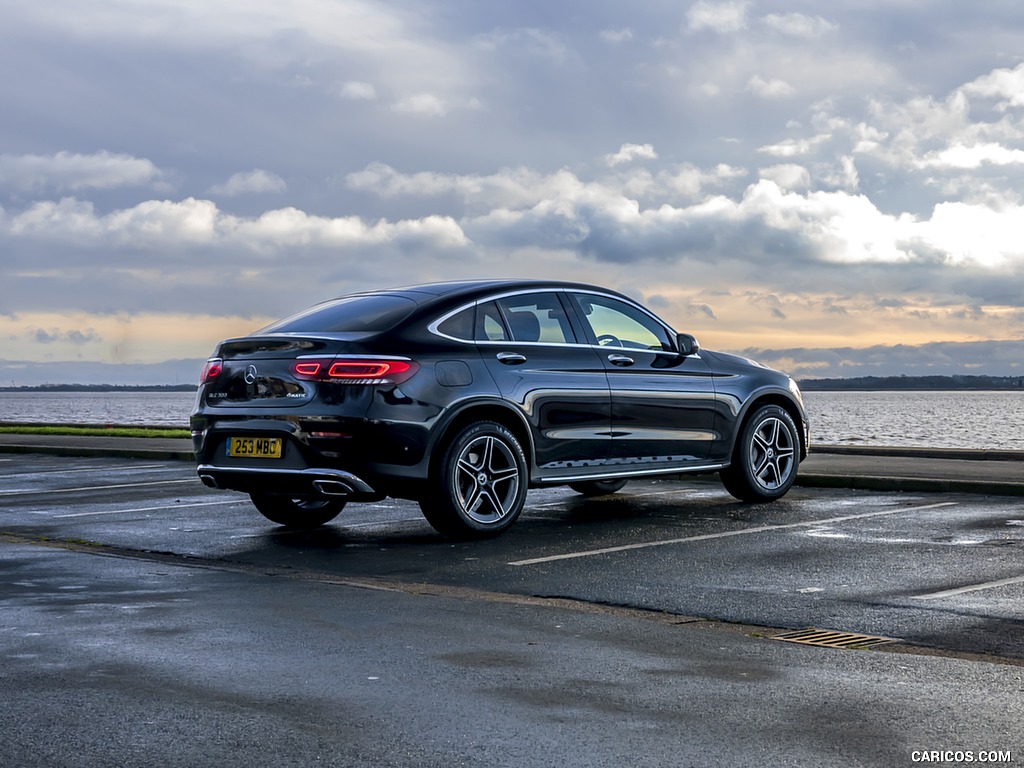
point(433, 327)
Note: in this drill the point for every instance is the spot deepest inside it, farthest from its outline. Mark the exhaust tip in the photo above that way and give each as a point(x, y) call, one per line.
point(332, 488)
point(209, 481)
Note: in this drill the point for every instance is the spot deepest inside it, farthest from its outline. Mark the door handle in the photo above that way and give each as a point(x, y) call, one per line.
point(621, 360)
point(511, 358)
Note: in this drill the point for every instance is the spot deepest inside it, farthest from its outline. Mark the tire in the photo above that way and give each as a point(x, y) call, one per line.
point(297, 513)
point(479, 486)
point(766, 457)
point(597, 487)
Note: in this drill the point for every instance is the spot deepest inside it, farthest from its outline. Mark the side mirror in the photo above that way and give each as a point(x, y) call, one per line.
point(688, 345)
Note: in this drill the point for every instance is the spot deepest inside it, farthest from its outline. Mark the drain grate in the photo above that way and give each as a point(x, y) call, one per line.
point(828, 639)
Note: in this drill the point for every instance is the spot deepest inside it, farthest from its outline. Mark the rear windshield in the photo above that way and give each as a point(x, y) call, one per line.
point(351, 314)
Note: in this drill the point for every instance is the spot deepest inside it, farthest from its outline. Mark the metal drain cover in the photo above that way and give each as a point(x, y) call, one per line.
point(828, 639)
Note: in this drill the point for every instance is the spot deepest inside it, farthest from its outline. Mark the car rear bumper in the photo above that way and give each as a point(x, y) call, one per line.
point(312, 482)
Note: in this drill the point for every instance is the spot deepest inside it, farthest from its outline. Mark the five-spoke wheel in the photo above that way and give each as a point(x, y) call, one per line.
point(765, 459)
point(479, 486)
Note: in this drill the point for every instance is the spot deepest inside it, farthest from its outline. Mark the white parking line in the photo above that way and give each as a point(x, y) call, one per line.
point(105, 470)
point(148, 509)
point(972, 588)
point(726, 534)
point(43, 491)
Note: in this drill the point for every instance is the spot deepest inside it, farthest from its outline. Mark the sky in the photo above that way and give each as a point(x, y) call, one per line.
point(835, 189)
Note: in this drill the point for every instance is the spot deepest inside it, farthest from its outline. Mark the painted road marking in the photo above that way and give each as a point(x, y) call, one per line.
point(726, 534)
point(972, 588)
point(41, 492)
point(149, 509)
point(105, 470)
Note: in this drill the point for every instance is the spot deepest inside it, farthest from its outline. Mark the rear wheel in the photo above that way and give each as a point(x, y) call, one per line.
point(297, 513)
point(597, 487)
point(479, 486)
point(766, 457)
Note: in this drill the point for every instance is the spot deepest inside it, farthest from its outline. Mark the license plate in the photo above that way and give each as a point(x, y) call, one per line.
point(255, 447)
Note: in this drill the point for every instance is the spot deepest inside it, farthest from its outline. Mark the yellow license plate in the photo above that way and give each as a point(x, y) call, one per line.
point(255, 447)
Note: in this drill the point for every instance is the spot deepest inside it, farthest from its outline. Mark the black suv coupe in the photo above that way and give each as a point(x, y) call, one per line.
point(463, 395)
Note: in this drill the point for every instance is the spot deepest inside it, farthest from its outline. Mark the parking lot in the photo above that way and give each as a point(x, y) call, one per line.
point(941, 574)
point(938, 570)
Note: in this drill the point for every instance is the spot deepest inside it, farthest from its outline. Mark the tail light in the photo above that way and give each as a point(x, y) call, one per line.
point(213, 368)
point(356, 370)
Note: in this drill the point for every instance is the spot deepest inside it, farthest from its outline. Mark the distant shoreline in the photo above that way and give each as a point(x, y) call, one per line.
point(915, 384)
point(58, 388)
point(856, 384)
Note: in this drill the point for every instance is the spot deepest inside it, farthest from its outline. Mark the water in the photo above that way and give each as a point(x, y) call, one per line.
point(148, 408)
point(993, 420)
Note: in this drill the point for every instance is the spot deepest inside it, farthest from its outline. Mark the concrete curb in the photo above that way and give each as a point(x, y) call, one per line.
point(910, 484)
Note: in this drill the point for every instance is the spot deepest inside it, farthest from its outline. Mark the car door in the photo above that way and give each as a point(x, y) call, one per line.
point(531, 350)
point(663, 403)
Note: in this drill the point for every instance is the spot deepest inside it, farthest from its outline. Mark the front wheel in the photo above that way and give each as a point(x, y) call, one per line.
point(297, 513)
point(765, 460)
point(479, 486)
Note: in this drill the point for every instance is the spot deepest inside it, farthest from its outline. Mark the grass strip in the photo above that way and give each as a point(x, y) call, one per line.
point(96, 431)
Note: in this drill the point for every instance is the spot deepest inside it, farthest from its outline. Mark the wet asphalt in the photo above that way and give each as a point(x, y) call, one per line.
point(148, 620)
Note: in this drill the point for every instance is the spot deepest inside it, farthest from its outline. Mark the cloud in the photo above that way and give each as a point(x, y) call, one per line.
point(798, 24)
point(794, 147)
point(993, 358)
point(68, 171)
point(424, 104)
point(770, 89)
point(629, 152)
point(531, 41)
point(250, 182)
point(166, 224)
point(837, 161)
point(357, 91)
point(962, 157)
point(57, 335)
point(788, 176)
point(721, 17)
point(1006, 86)
point(616, 36)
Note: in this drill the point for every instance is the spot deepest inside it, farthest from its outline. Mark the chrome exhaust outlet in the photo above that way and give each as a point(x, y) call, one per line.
point(209, 481)
point(332, 488)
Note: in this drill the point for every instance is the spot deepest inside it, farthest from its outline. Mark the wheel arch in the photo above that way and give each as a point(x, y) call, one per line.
point(497, 411)
point(784, 401)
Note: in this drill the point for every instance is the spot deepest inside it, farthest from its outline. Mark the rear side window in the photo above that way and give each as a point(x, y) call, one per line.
point(537, 317)
point(459, 325)
point(351, 314)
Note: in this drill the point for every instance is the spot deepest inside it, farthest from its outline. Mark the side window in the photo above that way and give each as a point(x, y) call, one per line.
point(460, 325)
point(537, 317)
point(618, 324)
point(489, 325)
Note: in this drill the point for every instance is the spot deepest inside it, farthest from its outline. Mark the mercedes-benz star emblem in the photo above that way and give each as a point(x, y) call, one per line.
point(250, 374)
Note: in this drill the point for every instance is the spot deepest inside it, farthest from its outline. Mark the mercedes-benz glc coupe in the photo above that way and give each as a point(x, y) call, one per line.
point(464, 395)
